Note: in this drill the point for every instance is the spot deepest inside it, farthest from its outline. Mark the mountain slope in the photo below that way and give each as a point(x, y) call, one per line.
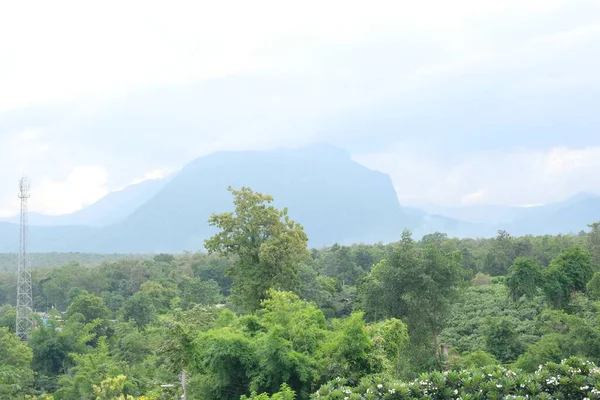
point(335, 198)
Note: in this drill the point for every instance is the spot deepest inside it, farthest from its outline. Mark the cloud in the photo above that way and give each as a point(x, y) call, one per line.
point(518, 177)
point(426, 86)
point(477, 197)
point(81, 187)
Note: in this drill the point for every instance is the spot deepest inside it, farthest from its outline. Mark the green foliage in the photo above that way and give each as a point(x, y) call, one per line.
point(285, 393)
point(16, 376)
point(565, 335)
point(419, 286)
point(369, 314)
point(568, 273)
point(389, 339)
point(140, 309)
point(501, 254)
point(267, 244)
point(89, 370)
point(196, 291)
point(90, 306)
point(8, 316)
point(524, 278)
point(502, 340)
point(481, 279)
point(571, 379)
point(593, 242)
point(467, 327)
point(53, 346)
point(593, 287)
point(476, 359)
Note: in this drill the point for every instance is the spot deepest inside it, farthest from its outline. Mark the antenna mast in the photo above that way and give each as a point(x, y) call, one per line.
point(24, 292)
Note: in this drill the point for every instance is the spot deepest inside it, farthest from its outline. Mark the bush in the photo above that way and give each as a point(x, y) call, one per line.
point(482, 279)
point(571, 379)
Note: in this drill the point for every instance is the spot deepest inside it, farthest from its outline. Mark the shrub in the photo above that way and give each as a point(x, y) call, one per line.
point(571, 379)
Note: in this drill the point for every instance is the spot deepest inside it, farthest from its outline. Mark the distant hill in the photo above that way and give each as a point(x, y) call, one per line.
point(569, 216)
point(336, 200)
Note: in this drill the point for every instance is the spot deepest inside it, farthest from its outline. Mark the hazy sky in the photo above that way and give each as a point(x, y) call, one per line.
point(462, 101)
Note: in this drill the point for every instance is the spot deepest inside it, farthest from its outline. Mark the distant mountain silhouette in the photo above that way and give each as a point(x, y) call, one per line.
point(568, 216)
point(336, 200)
point(333, 197)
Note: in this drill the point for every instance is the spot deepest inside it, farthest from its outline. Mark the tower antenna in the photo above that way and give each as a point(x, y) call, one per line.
point(24, 292)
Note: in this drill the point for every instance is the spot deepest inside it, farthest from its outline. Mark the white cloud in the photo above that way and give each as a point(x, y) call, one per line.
point(82, 186)
point(517, 177)
point(143, 86)
point(477, 197)
point(59, 51)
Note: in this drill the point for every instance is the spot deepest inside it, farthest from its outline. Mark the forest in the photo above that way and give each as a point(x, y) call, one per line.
point(261, 316)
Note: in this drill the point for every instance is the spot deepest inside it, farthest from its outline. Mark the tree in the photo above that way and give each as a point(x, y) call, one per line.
point(139, 308)
point(389, 338)
point(90, 370)
point(501, 255)
point(198, 291)
point(593, 242)
point(16, 375)
point(418, 286)
point(502, 340)
point(524, 278)
point(90, 306)
point(8, 315)
point(569, 272)
point(267, 244)
point(593, 287)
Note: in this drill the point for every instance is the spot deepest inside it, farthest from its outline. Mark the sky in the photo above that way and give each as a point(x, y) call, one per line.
point(461, 102)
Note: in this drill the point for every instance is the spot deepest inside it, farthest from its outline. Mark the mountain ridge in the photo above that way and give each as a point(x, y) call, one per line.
point(336, 199)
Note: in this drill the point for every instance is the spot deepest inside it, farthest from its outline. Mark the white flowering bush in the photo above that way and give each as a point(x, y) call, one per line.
point(572, 379)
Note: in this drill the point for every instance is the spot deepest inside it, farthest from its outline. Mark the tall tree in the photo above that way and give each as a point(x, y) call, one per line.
point(16, 375)
point(569, 272)
point(267, 244)
point(524, 278)
point(419, 286)
point(593, 242)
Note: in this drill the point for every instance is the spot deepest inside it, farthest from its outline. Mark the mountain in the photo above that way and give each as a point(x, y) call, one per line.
point(336, 200)
point(333, 197)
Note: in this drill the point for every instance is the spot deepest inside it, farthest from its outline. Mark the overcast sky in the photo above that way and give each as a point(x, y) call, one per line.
point(461, 102)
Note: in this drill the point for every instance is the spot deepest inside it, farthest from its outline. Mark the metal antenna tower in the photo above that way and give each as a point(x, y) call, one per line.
point(24, 295)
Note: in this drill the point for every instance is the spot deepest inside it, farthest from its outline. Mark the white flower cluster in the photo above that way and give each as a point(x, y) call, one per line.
point(553, 380)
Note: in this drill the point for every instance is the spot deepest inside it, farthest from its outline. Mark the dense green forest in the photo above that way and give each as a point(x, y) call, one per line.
point(261, 316)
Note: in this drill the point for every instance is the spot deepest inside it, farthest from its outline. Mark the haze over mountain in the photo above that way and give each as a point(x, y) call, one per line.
point(336, 199)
